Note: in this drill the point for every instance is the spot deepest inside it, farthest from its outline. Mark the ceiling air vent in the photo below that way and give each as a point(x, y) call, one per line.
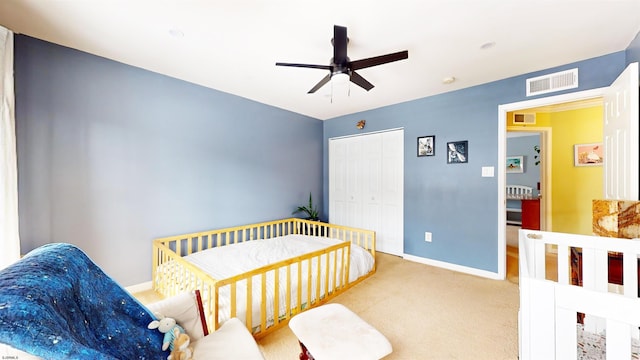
point(528, 119)
point(552, 82)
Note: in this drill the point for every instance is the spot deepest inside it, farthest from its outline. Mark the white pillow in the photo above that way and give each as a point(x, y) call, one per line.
point(186, 309)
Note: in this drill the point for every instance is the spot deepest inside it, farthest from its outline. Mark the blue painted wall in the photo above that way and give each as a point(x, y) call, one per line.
point(111, 156)
point(633, 50)
point(453, 201)
point(523, 146)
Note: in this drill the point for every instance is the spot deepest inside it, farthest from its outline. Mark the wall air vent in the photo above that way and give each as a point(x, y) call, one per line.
point(552, 82)
point(526, 119)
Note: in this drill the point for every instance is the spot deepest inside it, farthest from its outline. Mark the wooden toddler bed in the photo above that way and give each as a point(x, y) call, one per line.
point(548, 325)
point(253, 279)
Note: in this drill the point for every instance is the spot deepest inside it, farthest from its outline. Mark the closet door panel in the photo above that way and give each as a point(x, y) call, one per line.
point(392, 190)
point(338, 182)
point(371, 170)
point(354, 180)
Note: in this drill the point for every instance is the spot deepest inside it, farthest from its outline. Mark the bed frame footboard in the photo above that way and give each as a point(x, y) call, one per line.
point(325, 273)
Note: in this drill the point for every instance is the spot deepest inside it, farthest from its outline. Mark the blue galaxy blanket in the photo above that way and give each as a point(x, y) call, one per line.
point(56, 303)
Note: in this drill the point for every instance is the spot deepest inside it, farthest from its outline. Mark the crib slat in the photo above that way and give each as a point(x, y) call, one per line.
point(320, 276)
point(329, 271)
point(618, 340)
point(288, 293)
point(595, 272)
point(595, 269)
point(309, 282)
point(263, 302)
point(299, 290)
point(538, 323)
point(276, 297)
point(248, 305)
point(566, 335)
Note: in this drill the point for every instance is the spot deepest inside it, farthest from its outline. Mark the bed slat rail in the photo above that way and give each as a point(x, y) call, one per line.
point(177, 275)
point(548, 309)
point(325, 278)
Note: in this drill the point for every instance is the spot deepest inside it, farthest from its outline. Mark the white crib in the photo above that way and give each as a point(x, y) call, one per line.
point(548, 309)
point(516, 192)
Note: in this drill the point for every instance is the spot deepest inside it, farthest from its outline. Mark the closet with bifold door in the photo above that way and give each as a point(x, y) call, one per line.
point(366, 186)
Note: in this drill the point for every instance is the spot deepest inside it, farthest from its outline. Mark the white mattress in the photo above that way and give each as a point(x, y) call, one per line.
point(230, 260)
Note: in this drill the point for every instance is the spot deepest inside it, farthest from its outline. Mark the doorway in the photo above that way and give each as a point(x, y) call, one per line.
point(545, 163)
point(589, 95)
point(527, 213)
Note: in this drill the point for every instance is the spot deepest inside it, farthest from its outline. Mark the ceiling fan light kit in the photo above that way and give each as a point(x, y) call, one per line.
point(341, 66)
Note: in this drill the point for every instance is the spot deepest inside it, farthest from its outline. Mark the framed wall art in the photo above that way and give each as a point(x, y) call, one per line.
point(515, 164)
point(588, 154)
point(427, 145)
point(457, 152)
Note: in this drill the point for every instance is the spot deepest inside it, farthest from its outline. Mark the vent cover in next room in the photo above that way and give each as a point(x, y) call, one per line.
point(528, 119)
point(552, 82)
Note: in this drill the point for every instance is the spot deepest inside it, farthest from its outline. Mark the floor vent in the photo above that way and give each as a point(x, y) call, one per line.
point(552, 82)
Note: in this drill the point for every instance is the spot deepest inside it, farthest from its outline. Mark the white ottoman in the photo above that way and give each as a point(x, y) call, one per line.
point(332, 331)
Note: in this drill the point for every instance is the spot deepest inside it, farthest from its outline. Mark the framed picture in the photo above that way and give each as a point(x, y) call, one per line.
point(588, 154)
point(457, 152)
point(515, 164)
point(427, 145)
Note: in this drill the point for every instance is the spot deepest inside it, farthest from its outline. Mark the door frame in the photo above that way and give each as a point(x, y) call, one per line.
point(502, 153)
point(545, 171)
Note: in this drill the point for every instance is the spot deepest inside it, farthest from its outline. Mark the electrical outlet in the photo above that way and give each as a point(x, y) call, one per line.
point(427, 236)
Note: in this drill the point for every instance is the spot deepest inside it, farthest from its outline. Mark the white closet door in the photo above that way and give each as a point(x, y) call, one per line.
point(392, 227)
point(370, 182)
point(353, 179)
point(338, 182)
point(366, 181)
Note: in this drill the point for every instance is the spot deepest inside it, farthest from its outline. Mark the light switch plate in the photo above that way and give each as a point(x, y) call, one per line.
point(487, 171)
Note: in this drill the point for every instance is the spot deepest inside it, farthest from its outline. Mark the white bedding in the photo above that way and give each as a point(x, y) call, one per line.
point(230, 260)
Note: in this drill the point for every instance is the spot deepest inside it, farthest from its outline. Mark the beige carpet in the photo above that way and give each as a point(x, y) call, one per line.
point(428, 313)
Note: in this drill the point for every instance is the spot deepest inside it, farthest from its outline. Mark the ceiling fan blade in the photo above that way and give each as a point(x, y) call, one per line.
point(340, 44)
point(378, 60)
point(360, 81)
point(323, 67)
point(320, 84)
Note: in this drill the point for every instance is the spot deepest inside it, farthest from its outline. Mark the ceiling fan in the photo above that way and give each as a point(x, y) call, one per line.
point(341, 64)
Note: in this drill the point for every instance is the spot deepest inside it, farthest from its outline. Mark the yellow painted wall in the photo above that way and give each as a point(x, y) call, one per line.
point(573, 188)
point(542, 120)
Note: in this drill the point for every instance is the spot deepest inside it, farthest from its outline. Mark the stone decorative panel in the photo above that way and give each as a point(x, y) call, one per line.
point(616, 218)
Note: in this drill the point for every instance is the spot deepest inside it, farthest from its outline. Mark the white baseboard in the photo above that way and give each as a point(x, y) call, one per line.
point(454, 267)
point(139, 287)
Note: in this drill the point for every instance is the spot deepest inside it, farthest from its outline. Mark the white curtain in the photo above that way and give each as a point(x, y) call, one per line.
point(9, 238)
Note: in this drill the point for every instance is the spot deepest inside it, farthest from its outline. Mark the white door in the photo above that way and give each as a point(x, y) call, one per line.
point(338, 182)
point(392, 228)
point(621, 136)
point(370, 183)
point(366, 181)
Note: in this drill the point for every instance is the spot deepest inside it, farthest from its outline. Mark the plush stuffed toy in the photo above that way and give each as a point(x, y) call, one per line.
point(181, 348)
point(166, 326)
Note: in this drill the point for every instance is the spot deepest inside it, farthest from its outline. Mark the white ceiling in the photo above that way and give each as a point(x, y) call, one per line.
point(232, 46)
